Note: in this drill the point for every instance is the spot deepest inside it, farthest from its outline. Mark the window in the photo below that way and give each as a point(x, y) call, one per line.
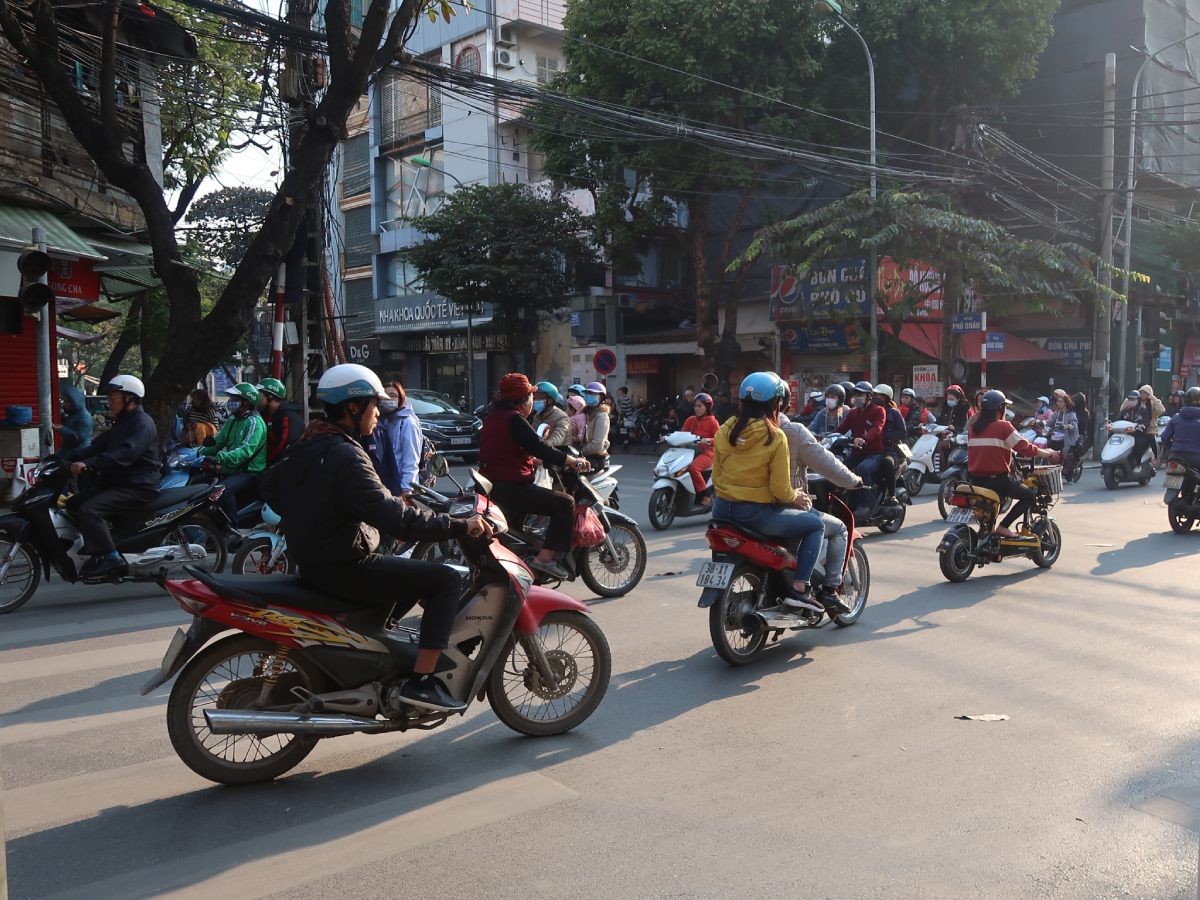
point(359, 306)
point(435, 105)
point(356, 166)
point(469, 60)
point(356, 13)
point(361, 244)
point(547, 68)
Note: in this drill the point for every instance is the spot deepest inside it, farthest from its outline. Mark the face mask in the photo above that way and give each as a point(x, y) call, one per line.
point(951, 402)
point(387, 407)
point(591, 399)
point(859, 402)
point(539, 405)
point(831, 403)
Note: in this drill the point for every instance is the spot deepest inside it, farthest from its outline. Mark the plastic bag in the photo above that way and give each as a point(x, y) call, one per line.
point(589, 530)
point(542, 478)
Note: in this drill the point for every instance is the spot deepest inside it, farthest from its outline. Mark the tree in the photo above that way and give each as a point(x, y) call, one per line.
point(221, 224)
point(767, 48)
point(196, 341)
point(504, 244)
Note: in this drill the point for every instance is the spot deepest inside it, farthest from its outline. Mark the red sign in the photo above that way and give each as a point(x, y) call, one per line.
point(75, 280)
point(605, 361)
point(916, 279)
point(641, 365)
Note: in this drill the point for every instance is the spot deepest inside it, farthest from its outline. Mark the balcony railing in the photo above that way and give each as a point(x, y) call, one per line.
point(546, 13)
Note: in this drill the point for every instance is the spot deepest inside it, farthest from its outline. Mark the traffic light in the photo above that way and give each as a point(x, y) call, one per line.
point(34, 266)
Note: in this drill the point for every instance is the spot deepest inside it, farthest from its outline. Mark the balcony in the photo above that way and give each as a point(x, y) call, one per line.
point(541, 13)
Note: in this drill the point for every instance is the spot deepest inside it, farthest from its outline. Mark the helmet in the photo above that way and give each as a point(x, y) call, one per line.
point(847, 388)
point(595, 387)
point(864, 387)
point(1192, 396)
point(349, 381)
point(885, 390)
point(815, 395)
point(762, 386)
point(993, 400)
point(550, 391)
point(1133, 395)
point(836, 390)
point(128, 384)
point(575, 389)
point(956, 389)
point(243, 390)
point(704, 398)
point(272, 386)
point(1044, 399)
point(908, 392)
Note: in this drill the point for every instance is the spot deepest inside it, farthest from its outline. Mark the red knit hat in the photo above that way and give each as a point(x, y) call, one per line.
point(515, 386)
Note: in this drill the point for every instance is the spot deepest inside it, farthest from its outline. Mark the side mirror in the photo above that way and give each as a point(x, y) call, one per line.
point(438, 466)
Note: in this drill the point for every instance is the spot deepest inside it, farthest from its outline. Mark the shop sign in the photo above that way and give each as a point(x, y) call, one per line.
point(834, 336)
point(916, 279)
point(74, 279)
point(457, 343)
point(834, 290)
point(925, 381)
point(641, 365)
point(1075, 352)
point(423, 312)
point(365, 352)
point(1164, 359)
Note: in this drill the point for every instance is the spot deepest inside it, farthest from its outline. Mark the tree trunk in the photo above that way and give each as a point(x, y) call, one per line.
point(706, 310)
point(125, 341)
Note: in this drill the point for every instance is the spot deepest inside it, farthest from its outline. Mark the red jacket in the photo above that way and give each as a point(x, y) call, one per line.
point(705, 428)
point(866, 422)
point(501, 458)
point(991, 452)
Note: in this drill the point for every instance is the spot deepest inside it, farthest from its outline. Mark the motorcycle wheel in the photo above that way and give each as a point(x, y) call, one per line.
point(737, 635)
point(230, 675)
point(254, 558)
point(949, 482)
point(1076, 472)
point(955, 561)
point(662, 509)
point(1180, 523)
point(203, 532)
point(892, 524)
point(609, 576)
point(1050, 548)
point(1111, 479)
point(580, 658)
point(858, 577)
point(23, 576)
point(913, 482)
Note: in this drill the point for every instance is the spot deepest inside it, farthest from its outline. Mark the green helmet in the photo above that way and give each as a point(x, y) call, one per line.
point(243, 390)
point(272, 386)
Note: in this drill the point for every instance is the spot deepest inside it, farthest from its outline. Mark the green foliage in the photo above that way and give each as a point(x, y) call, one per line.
point(222, 224)
point(504, 244)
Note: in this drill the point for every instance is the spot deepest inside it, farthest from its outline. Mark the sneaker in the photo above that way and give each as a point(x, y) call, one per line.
point(553, 568)
point(830, 597)
point(91, 566)
point(794, 600)
point(427, 692)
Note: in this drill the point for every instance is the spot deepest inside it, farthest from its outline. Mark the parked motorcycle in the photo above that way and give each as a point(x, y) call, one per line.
point(180, 526)
point(304, 665)
point(750, 573)
point(925, 464)
point(1116, 458)
point(673, 493)
point(971, 539)
point(1182, 494)
point(955, 473)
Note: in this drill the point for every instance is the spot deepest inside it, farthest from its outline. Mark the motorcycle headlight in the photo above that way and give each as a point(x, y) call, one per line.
point(462, 509)
point(660, 471)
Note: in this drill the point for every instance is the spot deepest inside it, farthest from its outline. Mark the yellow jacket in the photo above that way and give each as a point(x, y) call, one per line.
point(752, 470)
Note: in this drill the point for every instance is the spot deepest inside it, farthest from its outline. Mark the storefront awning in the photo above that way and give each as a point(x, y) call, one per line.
point(927, 339)
point(89, 313)
point(16, 232)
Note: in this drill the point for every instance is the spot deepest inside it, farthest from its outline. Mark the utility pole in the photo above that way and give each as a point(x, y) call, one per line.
point(1102, 336)
point(44, 361)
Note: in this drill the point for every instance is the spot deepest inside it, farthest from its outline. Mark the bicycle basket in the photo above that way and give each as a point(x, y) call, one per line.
point(1049, 479)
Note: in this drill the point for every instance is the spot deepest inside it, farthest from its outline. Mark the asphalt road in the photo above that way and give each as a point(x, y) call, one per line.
point(833, 767)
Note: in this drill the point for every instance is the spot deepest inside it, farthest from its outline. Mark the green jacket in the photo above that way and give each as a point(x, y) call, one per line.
point(241, 445)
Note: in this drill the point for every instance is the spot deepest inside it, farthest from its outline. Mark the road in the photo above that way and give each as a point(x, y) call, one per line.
point(833, 767)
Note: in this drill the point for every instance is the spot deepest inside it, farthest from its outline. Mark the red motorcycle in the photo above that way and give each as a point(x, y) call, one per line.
point(303, 666)
point(750, 573)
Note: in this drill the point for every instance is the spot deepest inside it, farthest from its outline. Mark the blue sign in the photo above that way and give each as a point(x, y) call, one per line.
point(832, 291)
point(966, 322)
point(1164, 359)
point(1070, 351)
point(995, 341)
point(576, 320)
point(834, 336)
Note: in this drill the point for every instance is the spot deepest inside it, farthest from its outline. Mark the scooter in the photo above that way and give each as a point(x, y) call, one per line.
point(1035, 431)
point(180, 526)
point(185, 466)
point(955, 473)
point(1182, 494)
point(744, 585)
point(926, 463)
point(886, 513)
point(673, 493)
point(1116, 459)
point(301, 665)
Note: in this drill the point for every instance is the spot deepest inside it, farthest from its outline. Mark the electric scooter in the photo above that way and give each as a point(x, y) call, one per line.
point(673, 493)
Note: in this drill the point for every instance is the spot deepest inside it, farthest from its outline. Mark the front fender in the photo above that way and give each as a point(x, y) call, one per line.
point(607, 514)
point(665, 483)
point(541, 601)
point(15, 526)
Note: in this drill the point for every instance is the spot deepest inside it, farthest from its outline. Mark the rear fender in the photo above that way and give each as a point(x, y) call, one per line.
point(708, 597)
point(540, 602)
point(199, 634)
point(1169, 497)
point(954, 534)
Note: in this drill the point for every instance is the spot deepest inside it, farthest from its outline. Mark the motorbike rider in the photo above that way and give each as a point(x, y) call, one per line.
point(956, 413)
point(284, 423)
point(595, 439)
point(547, 411)
point(1174, 404)
point(1181, 437)
point(333, 507)
point(991, 443)
point(239, 450)
point(126, 467)
point(1146, 396)
point(508, 453)
point(865, 422)
point(705, 426)
point(752, 477)
point(1045, 410)
point(894, 433)
point(834, 412)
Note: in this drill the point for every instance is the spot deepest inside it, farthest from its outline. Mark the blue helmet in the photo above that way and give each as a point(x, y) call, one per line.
point(762, 387)
point(576, 389)
point(349, 381)
point(550, 391)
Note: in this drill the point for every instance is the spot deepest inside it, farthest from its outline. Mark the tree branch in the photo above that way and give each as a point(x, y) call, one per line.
point(108, 72)
point(186, 196)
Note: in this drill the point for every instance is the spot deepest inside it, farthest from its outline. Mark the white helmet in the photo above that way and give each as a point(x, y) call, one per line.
point(886, 390)
point(349, 381)
point(128, 384)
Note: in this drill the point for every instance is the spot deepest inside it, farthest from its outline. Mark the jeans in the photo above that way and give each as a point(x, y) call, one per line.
point(784, 522)
point(868, 470)
point(836, 539)
point(241, 489)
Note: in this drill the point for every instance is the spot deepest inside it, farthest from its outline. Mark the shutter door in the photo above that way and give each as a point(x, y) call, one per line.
point(18, 367)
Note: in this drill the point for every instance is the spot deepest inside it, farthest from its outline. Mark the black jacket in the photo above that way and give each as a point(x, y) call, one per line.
point(333, 505)
point(284, 429)
point(126, 455)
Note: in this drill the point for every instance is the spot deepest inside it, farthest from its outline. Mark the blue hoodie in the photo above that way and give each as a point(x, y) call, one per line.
point(1182, 434)
point(76, 426)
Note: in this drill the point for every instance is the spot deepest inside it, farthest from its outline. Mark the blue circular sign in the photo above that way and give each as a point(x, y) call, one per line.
point(605, 362)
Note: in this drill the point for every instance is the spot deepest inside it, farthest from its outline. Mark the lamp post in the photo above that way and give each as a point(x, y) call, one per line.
point(423, 162)
point(835, 7)
point(1128, 255)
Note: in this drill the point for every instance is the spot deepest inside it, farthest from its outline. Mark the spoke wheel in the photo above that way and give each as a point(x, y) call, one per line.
point(23, 576)
point(200, 545)
point(856, 585)
point(231, 675)
point(581, 662)
point(610, 574)
point(662, 509)
point(254, 558)
point(737, 634)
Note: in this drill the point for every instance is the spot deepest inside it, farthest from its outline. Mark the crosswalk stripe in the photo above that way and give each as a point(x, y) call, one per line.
point(150, 650)
point(61, 721)
point(66, 632)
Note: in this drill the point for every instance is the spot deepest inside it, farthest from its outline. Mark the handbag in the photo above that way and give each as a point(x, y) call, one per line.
point(588, 530)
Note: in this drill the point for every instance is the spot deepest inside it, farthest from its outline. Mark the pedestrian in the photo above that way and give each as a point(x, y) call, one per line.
point(1064, 430)
point(76, 427)
point(200, 421)
point(683, 407)
point(1084, 415)
point(398, 443)
point(724, 407)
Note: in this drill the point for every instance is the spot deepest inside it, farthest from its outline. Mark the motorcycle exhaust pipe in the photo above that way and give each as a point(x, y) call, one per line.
point(250, 721)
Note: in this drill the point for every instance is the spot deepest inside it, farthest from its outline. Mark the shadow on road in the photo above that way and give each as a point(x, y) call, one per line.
point(1144, 551)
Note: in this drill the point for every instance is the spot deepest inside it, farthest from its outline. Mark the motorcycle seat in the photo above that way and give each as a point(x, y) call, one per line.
point(980, 492)
point(270, 590)
point(172, 496)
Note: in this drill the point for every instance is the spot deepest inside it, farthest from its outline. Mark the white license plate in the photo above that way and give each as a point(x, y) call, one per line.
point(961, 517)
point(456, 442)
point(715, 575)
point(177, 641)
point(1173, 482)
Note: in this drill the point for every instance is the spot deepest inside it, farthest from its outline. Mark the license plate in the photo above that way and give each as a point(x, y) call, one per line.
point(456, 442)
point(961, 517)
point(1173, 482)
point(176, 647)
point(715, 575)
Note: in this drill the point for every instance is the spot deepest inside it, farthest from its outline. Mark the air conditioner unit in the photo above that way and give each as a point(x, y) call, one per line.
point(506, 57)
point(505, 37)
point(625, 301)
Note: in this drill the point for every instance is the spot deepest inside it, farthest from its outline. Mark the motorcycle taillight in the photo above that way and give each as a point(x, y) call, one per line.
point(959, 500)
point(732, 543)
point(1175, 468)
point(191, 604)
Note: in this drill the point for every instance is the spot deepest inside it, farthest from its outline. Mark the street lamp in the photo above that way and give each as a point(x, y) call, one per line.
point(835, 7)
point(1133, 116)
point(422, 162)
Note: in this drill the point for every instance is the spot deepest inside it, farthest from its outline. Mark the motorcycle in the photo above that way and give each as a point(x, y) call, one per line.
point(264, 551)
point(303, 666)
point(885, 514)
point(673, 493)
point(1116, 458)
point(971, 539)
point(178, 527)
point(926, 463)
point(185, 466)
point(748, 576)
point(955, 473)
point(1182, 495)
point(1035, 431)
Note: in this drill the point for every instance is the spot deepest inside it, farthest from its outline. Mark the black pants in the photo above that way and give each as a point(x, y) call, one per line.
point(1008, 487)
point(1141, 441)
point(519, 500)
point(240, 489)
point(387, 581)
point(91, 508)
